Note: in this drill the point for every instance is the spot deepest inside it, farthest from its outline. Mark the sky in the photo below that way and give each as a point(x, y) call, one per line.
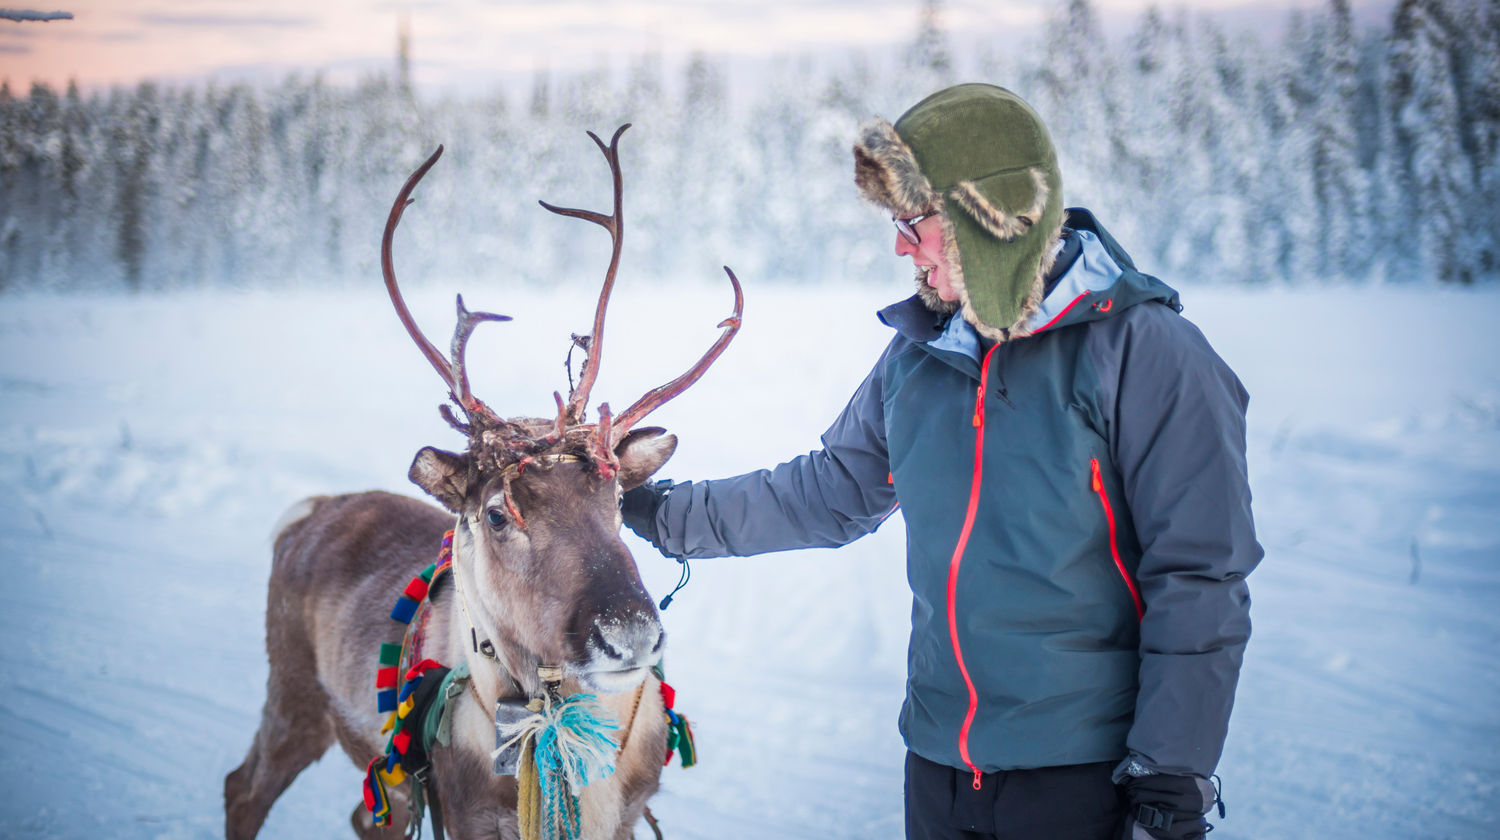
point(471, 44)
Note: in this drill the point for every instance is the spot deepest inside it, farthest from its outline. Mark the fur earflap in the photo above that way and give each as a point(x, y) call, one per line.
point(1034, 297)
point(886, 172)
point(1000, 224)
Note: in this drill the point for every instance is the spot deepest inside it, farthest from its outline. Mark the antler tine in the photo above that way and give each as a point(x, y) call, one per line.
point(601, 445)
point(388, 268)
point(655, 397)
point(612, 155)
point(467, 321)
point(578, 397)
point(451, 370)
point(561, 428)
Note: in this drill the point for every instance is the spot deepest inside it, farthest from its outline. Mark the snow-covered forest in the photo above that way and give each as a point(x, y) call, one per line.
point(1325, 153)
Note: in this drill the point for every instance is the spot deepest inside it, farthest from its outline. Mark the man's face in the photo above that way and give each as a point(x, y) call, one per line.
point(927, 256)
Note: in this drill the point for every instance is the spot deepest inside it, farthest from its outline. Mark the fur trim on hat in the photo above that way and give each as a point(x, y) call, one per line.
point(1000, 224)
point(886, 172)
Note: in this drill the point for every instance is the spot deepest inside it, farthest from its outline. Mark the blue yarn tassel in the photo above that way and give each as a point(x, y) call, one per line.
point(573, 749)
point(591, 757)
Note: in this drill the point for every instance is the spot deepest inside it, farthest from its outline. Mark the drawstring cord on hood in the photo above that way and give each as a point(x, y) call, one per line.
point(687, 574)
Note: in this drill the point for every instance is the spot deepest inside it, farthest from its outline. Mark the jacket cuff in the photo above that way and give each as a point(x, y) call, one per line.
point(1133, 767)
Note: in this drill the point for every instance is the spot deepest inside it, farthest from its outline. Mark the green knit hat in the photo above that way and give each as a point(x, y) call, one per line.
point(981, 155)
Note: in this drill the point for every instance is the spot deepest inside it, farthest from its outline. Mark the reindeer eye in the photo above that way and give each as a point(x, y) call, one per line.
point(495, 518)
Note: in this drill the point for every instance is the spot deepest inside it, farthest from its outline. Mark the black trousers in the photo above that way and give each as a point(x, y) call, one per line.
point(1074, 802)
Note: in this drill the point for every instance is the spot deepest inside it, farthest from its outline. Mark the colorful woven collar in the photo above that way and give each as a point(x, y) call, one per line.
point(403, 692)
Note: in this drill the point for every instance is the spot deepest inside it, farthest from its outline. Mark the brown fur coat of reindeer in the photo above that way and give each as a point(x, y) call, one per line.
point(540, 579)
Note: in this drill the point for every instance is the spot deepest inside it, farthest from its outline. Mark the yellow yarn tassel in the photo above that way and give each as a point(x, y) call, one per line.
point(529, 793)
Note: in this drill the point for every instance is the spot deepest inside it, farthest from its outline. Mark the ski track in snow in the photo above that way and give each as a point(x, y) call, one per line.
point(149, 444)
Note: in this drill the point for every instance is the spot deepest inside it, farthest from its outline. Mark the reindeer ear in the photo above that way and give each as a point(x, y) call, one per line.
point(444, 475)
point(642, 453)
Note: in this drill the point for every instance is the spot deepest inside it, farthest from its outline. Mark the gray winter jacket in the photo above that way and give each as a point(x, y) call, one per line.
point(1078, 518)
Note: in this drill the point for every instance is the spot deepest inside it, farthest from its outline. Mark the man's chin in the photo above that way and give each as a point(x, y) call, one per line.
point(931, 299)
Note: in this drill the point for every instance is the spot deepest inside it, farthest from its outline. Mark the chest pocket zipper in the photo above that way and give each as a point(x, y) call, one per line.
point(1114, 545)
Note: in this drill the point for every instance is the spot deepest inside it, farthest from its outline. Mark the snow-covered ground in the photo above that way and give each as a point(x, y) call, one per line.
point(148, 444)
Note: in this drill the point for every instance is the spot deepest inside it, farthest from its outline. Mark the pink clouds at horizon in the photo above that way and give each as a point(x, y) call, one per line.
point(464, 43)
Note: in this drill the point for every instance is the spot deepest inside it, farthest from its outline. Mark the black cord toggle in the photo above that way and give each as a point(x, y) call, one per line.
point(687, 574)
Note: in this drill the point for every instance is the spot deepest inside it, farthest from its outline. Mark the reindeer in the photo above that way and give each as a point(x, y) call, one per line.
point(540, 580)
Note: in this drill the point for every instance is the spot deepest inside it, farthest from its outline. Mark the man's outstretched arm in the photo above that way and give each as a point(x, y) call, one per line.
point(825, 498)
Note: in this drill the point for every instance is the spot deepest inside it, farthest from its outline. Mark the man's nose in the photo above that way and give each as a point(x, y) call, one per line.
point(904, 247)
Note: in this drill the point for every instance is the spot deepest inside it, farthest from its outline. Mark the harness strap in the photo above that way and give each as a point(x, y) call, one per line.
point(434, 701)
point(437, 807)
point(651, 821)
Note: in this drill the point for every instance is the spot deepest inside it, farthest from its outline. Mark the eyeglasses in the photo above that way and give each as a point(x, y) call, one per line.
point(908, 227)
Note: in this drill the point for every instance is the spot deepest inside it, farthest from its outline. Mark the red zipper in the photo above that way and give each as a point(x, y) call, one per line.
point(1058, 316)
point(1114, 548)
point(958, 556)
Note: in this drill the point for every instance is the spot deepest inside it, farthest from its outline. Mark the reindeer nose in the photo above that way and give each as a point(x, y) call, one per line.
point(627, 643)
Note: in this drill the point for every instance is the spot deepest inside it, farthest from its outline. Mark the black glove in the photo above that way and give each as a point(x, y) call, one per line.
point(638, 509)
point(1167, 807)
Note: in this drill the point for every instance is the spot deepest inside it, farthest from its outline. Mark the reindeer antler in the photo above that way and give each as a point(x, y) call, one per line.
point(578, 397)
point(603, 436)
point(656, 396)
point(450, 369)
point(609, 432)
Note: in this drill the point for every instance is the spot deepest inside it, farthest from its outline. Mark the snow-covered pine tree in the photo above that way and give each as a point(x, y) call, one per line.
point(928, 59)
point(132, 161)
point(1076, 95)
point(1478, 54)
point(1219, 161)
point(73, 160)
point(541, 94)
point(1145, 160)
point(1340, 185)
point(1297, 75)
point(776, 137)
point(703, 202)
point(1430, 168)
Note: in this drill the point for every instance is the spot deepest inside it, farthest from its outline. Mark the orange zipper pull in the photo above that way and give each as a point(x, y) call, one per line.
point(977, 776)
point(1098, 483)
point(979, 407)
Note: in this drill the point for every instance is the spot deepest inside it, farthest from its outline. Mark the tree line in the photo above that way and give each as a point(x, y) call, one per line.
point(1329, 153)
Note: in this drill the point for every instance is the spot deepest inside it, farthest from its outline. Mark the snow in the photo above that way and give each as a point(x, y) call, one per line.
point(148, 444)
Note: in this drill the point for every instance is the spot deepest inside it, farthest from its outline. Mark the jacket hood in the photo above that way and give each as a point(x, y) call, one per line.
point(982, 157)
point(1101, 281)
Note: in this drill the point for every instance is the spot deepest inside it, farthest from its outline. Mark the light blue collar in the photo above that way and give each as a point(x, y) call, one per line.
point(958, 337)
point(1094, 271)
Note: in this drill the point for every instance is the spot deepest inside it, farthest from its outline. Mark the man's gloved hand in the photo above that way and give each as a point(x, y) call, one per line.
point(638, 509)
point(1167, 807)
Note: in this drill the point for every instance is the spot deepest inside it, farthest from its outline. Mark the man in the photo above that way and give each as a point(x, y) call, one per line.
point(1069, 455)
